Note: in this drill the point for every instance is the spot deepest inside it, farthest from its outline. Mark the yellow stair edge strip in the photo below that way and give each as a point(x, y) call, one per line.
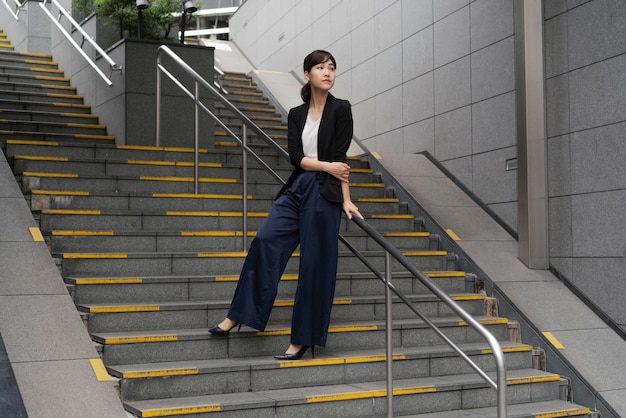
point(569, 412)
point(160, 373)
point(99, 370)
point(82, 233)
point(215, 214)
point(102, 256)
point(29, 142)
point(36, 234)
point(71, 212)
point(55, 175)
point(181, 410)
point(173, 163)
point(200, 196)
point(96, 281)
point(151, 148)
point(39, 158)
point(187, 179)
point(61, 192)
point(370, 394)
point(122, 309)
point(135, 340)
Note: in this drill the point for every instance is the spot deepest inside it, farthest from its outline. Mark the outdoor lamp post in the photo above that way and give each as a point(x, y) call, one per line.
point(141, 4)
point(188, 7)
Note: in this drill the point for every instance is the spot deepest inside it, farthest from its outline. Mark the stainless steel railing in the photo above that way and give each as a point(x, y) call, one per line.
point(246, 124)
point(18, 8)
point(391, 252)
point(64, 13)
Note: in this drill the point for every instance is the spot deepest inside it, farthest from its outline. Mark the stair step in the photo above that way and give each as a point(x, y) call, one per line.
point(48, 117)
point(544, 409)
point(126, 317)
point(45, 88)
point(16, 59)
point(53, 136)
point(71, 149)
point(177, 201)
point(100, 166)
point(41, 96)
point(221, 263)
point(168, 288)
point(18, 125)
point(208, 240)
point(356, 400)
point(219, 376)
point(31, 71)
point(44, 106)
point(185, 219)
point(184, 344)
point(28, 78)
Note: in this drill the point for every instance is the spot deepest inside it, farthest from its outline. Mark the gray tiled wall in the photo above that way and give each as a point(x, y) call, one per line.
point(438, 76)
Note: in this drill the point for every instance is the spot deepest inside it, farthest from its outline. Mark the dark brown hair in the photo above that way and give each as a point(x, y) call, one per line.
point(316, 57)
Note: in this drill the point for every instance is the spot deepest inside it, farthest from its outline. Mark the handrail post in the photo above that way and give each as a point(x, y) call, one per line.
point(389, 334)
point(244, 176)
point(158, 99)
point(196, 140)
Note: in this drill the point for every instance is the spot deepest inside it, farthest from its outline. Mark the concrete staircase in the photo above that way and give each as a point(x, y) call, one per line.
point(151, 266)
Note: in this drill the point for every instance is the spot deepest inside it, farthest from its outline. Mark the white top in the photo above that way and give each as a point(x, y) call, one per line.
point(309, 137)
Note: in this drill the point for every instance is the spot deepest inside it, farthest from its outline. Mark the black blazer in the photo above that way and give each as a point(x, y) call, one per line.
point(333, 140)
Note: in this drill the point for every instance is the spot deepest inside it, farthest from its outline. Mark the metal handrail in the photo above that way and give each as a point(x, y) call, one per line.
point(390, 251)
point(18, 8)
point(218, 79)
point(86, 37)
point(500, 384)
point(198, 105)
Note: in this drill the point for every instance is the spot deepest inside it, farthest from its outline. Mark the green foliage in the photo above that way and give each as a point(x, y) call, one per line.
point(158, 19)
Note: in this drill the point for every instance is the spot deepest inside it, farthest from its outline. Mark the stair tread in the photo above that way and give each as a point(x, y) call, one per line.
point(552, 409)
point(325, 357)
point(146, 148)
point(51, 114)
point(56, 124)
point(138, 212)
point(214, 254)
point(329, 393)
point(217, 303)
point(187, 233)
point(125, 337)
point(100, 280)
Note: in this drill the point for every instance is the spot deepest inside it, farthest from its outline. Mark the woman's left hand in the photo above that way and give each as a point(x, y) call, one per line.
point(350, 210)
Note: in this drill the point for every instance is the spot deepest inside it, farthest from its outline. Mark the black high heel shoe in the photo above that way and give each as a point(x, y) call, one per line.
point(296, 356)
point(216, 330)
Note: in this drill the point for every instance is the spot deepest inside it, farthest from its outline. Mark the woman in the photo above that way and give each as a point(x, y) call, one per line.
point(307, 212)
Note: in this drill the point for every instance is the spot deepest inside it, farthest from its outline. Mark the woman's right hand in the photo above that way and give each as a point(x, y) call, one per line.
point(339, 170)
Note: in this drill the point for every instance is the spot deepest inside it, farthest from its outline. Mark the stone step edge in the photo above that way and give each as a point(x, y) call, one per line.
point(177, 335)
point(188, 305)
point(90, 281)
point(127, 147)
point(323, 358)
point(220, 254)
point(543, 409)
point(321, 394)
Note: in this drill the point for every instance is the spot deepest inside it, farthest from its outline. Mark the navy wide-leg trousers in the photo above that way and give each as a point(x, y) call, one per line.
point(299, 216)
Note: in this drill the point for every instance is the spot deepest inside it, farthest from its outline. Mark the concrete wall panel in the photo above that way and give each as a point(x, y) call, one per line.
point(452, 37)
point(453, 134)
point(493, 70)
point(493, 123)
point(452, 86)
point(417, 54)
point(491, 21)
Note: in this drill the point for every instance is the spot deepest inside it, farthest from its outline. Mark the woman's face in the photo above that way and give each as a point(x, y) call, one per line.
point(321, 76)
